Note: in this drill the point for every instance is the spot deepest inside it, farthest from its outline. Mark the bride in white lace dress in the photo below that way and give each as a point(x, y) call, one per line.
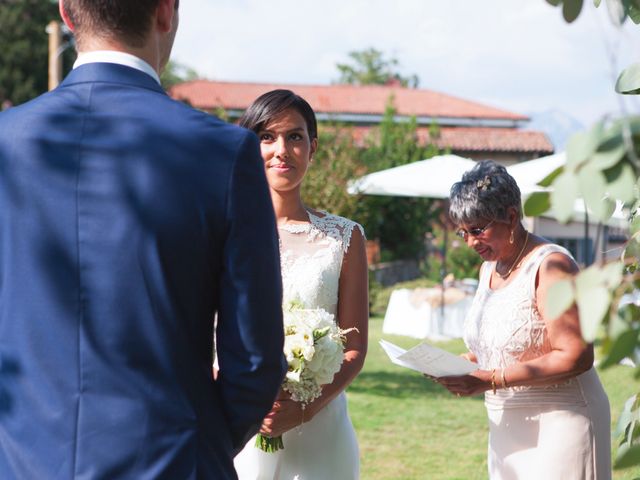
point(323, 266)
point(548, 414)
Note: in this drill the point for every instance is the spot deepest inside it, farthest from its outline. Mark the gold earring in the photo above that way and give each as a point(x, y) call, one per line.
point(511, 238)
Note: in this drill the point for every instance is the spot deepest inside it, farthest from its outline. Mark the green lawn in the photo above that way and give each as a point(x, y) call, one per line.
point(411, 428)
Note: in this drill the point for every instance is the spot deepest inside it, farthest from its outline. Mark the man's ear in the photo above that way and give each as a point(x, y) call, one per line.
point(65, 17)
point(166, 15)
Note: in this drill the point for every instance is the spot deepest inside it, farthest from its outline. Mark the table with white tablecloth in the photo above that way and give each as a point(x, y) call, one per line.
point(419, 313)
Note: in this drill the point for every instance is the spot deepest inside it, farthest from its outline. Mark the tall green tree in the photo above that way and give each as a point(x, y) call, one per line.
point(400, 223)
point(24, 56)
point(371, 67)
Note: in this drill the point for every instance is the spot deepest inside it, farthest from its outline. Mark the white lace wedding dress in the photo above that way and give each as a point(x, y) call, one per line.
point(324, 448)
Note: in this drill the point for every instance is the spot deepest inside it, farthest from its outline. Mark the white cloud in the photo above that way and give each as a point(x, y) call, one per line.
point(514, 54)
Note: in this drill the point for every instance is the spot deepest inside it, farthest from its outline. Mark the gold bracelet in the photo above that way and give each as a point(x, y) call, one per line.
point(493, 380)
point(504, 380)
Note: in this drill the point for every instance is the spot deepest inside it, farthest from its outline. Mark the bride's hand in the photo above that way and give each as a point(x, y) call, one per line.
point(285, 415)
point(467, 385)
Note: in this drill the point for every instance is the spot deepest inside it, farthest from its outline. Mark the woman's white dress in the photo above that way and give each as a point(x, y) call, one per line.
point(324, 448)
point(553, 432)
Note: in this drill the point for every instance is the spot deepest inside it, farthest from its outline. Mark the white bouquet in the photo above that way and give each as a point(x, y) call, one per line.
point(313, 346)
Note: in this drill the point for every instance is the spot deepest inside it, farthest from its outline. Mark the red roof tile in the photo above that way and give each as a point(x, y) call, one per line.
point(341, 99)
point(490, 140)
point(477, 139)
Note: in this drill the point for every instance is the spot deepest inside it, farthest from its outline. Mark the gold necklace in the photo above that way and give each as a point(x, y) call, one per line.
point(503, 276)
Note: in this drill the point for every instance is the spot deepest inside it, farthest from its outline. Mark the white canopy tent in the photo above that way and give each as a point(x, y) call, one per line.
point(430, 178)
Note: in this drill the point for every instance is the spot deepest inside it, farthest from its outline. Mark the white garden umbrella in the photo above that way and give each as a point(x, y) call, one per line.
point(430, 178)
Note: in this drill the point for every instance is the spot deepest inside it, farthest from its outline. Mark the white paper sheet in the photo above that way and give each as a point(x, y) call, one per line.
point(428, 359)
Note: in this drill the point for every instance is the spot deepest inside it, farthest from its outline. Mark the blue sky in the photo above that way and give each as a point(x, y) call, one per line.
point(513, 54)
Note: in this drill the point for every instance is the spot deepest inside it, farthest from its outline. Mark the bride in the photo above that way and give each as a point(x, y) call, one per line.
point(323, 266)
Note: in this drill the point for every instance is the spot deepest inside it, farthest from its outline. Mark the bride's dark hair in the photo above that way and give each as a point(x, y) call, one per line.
point(271, 104)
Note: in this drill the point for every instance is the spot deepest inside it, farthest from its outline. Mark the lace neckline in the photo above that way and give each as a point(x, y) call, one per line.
point(303, 227)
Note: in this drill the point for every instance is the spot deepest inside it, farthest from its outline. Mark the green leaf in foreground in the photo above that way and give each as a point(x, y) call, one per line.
point(622, 347)
point(564, 194)
point(627, 415)
point(559, 298)
point(593, 186)
point(634, 225)
point(628, 82)
point(612, 274)
point(582, 145)
point(549, 179)
point(537, 204)
point(634, 13)
point(621, 181)
point(593, 304)
point(593, 301)
point(571, 9)
point(632, 250)
point(627, 456)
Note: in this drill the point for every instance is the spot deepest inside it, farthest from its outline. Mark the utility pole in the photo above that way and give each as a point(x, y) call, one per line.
point(54, 30)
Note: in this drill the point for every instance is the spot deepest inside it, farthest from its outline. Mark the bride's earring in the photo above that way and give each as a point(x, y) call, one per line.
point(511, 238)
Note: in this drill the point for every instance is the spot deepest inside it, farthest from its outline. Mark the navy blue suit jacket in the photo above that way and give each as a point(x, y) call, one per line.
point(127, 222)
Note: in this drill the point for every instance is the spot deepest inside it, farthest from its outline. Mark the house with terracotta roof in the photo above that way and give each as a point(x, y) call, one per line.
point(465, 127)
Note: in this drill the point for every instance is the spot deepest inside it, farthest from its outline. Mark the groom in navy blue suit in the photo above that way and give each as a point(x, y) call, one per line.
point(128, 221)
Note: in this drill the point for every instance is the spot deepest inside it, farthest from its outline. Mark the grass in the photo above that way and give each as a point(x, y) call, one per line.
point(411, 428)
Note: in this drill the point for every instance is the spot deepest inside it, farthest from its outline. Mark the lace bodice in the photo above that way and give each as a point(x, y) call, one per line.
point(311, 257)
point(504, 326)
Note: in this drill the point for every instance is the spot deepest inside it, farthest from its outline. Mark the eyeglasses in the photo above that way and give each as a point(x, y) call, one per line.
point(474, 232)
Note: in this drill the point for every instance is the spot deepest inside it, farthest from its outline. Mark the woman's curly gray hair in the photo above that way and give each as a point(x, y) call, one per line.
point(485, 193)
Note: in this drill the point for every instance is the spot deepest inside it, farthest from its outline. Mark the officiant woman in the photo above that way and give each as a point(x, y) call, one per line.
point(548, 414)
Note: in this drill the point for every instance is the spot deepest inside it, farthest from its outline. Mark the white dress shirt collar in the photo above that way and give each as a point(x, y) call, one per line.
point(120, 58)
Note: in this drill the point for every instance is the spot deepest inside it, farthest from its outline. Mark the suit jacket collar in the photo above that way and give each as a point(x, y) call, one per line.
point(111, 73)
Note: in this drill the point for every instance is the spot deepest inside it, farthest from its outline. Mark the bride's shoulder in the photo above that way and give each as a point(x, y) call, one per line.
point(329, 219)
point(334, 226)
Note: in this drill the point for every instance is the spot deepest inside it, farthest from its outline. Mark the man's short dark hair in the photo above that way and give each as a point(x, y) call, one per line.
point(126, 20)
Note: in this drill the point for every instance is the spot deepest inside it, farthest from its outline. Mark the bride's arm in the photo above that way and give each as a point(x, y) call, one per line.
point(353, 312)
